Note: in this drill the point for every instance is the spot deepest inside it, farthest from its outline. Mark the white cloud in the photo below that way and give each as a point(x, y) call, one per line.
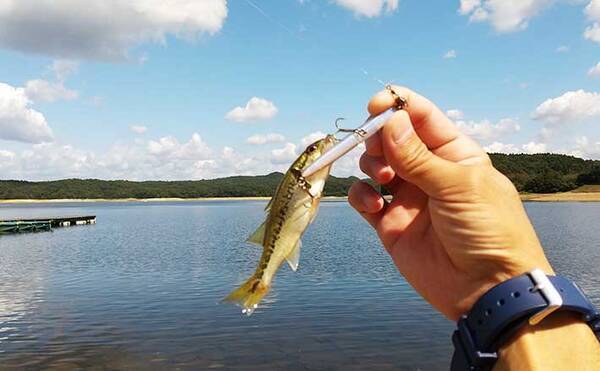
point(6, 155)
point(18, 121)
point(138, 129)
point(450, 54)
point(284, 155)
point(586, 149)
point(504, 15)
point(531, 147)
point(455, 114)
point(369, 8)
point(311, 138)
point(592, 10)
point(169, 148)
point(486, 130)
point(259, 139)
point(592, 33)
point(562, 49)
point(594, 71)
point(255, 109)
point(165, 158)
point(571, 106)
point(63, 67)
point(468, 6)
point(103, 30)
point(44, 91)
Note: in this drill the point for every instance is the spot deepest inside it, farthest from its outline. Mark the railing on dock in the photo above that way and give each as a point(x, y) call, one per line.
point(43, 224)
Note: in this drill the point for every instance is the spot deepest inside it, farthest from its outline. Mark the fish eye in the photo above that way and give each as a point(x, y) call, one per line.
point(312, 148)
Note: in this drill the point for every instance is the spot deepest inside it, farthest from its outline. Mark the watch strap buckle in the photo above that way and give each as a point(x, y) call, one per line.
point(548, 291)
point(463, 341)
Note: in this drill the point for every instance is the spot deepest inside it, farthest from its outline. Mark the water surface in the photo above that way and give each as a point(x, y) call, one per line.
point(140, 289)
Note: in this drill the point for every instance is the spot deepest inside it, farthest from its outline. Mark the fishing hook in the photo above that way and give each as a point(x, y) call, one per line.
point(358, 131)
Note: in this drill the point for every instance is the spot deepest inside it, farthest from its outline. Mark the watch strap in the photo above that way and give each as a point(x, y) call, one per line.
point(501, 311)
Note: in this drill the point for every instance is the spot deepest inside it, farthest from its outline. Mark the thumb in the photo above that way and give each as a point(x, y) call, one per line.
point(412, 160)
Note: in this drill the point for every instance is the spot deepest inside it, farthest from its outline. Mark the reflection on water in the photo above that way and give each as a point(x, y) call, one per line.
point(140, 289)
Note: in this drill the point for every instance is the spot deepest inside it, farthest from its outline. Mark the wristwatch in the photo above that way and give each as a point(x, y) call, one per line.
point(504, 309)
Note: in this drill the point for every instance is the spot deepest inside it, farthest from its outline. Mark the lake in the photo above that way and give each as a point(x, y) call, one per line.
point(141, 290)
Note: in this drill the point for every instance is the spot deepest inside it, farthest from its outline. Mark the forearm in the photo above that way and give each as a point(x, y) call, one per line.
point(560, 342)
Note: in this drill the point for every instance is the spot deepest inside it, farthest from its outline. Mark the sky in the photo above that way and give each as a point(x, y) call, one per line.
point(198, 89)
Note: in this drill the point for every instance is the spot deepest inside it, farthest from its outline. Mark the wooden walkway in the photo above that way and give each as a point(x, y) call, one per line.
point(43, 224)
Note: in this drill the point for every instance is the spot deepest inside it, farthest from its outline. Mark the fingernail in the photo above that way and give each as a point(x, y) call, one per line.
point(401, 131)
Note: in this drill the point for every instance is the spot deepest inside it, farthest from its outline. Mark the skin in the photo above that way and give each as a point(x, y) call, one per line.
point(456, 226)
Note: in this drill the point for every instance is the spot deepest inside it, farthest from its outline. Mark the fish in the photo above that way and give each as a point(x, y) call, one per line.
point(290, 211)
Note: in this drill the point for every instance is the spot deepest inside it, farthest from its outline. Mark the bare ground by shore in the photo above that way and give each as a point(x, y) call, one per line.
point(579, 195)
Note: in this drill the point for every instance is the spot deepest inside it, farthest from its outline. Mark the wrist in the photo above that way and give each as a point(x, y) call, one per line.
point(509, 315)
point(550, 345)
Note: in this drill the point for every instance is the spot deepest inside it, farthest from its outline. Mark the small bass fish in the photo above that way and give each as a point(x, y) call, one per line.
point(293, 207)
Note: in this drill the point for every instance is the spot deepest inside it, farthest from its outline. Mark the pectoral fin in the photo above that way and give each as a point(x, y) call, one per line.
point(258, 237)
point(294, 257)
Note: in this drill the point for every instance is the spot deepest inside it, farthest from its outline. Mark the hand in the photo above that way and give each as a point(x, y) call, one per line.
point(455, 226)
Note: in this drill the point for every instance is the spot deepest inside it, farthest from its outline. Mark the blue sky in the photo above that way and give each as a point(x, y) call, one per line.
point(148, 89)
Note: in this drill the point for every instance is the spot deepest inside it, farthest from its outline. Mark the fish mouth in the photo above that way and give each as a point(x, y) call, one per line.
point(331, 139)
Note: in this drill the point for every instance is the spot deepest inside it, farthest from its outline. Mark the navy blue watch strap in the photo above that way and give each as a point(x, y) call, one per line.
point(501, 311)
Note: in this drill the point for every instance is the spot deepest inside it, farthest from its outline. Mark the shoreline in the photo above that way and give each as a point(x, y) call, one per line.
point(528, 197)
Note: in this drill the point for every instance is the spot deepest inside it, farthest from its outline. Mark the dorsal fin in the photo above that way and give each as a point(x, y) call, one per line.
point(258, 237)
point(294, 257)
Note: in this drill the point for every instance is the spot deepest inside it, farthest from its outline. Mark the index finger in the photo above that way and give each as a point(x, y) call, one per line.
point(436, 130)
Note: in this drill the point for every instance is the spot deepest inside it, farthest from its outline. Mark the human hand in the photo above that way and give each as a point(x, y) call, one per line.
point(455, 226)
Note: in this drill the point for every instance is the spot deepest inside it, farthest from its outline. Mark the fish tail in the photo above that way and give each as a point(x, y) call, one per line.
point(249, 294)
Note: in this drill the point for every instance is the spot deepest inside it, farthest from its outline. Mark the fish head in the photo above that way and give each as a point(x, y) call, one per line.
point(316, 149)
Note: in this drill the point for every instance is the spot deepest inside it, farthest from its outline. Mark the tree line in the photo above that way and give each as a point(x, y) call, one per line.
point(540, 173)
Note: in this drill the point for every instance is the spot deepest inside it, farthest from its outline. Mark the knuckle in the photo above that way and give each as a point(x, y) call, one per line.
point(416, 158)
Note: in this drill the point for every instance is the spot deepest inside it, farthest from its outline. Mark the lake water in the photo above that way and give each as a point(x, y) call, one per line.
point(140, 290)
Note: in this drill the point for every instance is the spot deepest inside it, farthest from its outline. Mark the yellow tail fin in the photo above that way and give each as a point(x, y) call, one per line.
point(248, 295)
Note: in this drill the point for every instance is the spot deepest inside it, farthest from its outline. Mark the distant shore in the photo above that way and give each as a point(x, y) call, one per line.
point(528, 197)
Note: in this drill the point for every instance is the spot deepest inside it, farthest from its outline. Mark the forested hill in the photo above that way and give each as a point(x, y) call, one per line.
point(543, 173)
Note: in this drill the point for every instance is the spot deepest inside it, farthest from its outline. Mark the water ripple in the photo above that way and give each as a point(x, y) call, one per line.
point(140, 290)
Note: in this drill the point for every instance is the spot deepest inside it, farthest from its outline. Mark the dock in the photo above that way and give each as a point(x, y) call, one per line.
point(43, 224)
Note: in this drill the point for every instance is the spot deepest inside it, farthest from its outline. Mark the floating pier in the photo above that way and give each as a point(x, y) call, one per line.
point(43, 224)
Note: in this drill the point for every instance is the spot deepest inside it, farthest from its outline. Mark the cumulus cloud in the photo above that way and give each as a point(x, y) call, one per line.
point(166, 158)
point(369, 8)
point(284, 155)
point(592, 33)
point(592, 10)
point(455, 114)
point(18, 121)
point(259, 139)
point(504, 15)
point(594, 71)
point(63, 68)
point(586, 148)
point(569, 107)
point(103, 30)
point(486, 130)
point(531, 147)
point(311, 138)
point(562, 49)
point(450, 54)
point(138, 129)
point(45, 91)
point(256, 109)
